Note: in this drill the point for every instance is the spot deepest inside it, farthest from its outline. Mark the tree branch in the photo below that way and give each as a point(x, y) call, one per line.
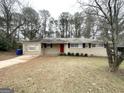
point(16, 29)
point(100, 8)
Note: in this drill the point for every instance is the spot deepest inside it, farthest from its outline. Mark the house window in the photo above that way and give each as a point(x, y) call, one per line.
point(93, 45)
point(79, 45)
point(87, 45)
point(100, 45)
point(74, 45)
point(47, 45)
point(84, 45)
point(32, 48)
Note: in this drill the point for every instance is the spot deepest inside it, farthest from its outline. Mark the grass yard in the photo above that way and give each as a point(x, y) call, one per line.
point(63, 75)
point(7, 55)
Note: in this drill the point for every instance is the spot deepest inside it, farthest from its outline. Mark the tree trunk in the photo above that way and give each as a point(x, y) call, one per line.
point(114, 60)
point(116, 64)
point(113, 68)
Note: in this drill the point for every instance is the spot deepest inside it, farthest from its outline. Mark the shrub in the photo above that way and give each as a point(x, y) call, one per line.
point(72, 54)
point(82, 54)
point(61, 54)
point(77, 54)
point(91, 55)
point(69, 54)
point(4, 44)
point(64, 54)
point(86, 55)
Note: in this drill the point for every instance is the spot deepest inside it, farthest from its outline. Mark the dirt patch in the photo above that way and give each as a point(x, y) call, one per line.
point(7, 55)
point(62, 75)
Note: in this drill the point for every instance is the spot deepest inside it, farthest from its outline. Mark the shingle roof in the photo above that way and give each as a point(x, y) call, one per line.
point(67, 40)
point(70, 40)
point(53, 40)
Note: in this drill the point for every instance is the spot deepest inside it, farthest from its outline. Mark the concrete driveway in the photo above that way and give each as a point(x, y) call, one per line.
point(16, 60)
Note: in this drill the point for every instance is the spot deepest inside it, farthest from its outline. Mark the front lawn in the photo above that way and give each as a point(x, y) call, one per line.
point(63, 75)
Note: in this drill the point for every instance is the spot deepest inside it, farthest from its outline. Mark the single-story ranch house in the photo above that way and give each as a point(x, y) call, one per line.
point(57, 46)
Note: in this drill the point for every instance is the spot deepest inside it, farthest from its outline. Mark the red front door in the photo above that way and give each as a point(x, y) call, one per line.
point(61, 48)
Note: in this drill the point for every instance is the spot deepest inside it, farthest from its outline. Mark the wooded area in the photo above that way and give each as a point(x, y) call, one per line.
point(29, 24)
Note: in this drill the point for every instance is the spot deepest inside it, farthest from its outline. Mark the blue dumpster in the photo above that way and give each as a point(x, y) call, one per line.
point(18, 52)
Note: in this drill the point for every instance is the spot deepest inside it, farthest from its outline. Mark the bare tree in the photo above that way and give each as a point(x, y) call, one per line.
point(64, 23)
point(57, 32)
point(32, 24)
point(111, 13)
point(78, 20)
point(50, 32)
point(71, 27)
point(44, 18)
point(89, 23)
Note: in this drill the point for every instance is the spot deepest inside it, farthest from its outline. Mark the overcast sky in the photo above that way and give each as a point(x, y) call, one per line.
point(56, 7)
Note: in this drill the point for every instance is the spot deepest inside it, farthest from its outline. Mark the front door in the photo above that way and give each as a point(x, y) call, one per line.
point(61, 48)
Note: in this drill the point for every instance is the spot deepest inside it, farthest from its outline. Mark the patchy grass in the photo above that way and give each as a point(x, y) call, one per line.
point(7, 55)
point(63, 75)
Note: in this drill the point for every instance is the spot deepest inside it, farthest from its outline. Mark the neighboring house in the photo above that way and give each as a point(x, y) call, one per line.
point(58, 46)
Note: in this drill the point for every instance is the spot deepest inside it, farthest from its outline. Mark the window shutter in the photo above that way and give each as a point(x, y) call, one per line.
point(44, 45)
point(89, 45)
point(41, 45)
point(84, 45)
point(68, 45)
point(51, 45)
point(93, 45)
